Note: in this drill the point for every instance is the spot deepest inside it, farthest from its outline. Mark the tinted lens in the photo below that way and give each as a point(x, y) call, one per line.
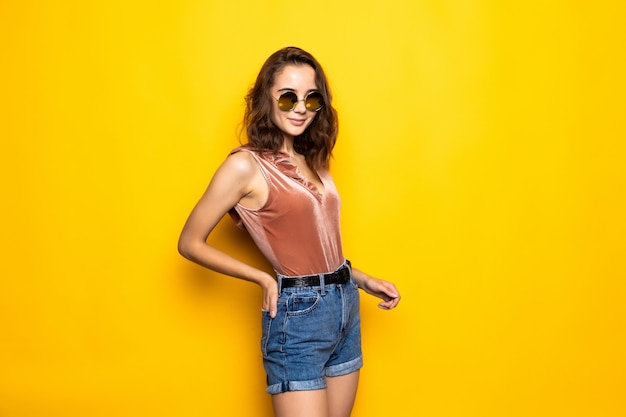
point(314, 101)
point(287, 101)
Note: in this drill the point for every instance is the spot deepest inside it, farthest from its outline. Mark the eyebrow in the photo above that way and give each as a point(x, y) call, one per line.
point(291, 89)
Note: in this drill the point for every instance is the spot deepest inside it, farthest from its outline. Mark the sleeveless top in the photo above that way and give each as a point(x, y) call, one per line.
point(297, 229)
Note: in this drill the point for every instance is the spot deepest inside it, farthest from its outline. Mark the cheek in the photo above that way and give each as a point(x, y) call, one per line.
point(310, 121)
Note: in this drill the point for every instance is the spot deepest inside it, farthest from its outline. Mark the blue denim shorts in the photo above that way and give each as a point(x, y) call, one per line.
point(316, 333)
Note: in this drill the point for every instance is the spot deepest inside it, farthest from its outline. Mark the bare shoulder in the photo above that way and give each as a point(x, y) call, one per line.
point(239, 165)
point(240, 174)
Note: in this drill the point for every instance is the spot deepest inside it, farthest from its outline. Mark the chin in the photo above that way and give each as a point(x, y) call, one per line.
point(294, 132)
point(297, 133)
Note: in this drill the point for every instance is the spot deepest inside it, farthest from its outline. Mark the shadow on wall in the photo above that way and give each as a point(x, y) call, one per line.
point(200, 283)
point(221, 319)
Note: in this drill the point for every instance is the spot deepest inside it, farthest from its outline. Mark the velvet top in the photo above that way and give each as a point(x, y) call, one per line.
point(297, 229)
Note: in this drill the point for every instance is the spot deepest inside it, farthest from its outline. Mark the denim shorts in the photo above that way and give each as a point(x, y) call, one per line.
point(316, 334)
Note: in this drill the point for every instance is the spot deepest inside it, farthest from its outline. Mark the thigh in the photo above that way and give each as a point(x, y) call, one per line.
point(341, 393)
point(312, 403)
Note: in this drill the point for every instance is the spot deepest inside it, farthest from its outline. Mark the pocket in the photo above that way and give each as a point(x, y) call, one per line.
point(300, 304)
point(266, 323)
point(353, 282)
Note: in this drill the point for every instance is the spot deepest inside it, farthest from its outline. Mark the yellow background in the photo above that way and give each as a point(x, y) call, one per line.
point(481, 161)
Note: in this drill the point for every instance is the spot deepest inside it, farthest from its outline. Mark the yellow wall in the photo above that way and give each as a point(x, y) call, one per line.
point(481, 161)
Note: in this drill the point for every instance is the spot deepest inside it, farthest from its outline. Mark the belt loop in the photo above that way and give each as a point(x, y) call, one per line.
point(322, 284)
point(280, 283)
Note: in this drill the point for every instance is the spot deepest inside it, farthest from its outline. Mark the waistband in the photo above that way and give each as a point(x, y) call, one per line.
point(340, 276)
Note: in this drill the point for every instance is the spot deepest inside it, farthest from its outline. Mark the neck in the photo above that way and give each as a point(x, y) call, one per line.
point(288, 145)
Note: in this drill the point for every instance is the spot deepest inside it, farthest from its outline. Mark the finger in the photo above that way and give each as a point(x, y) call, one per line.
point(273, 305)
point(391, 290)
point(388, 304)
point(394, 303)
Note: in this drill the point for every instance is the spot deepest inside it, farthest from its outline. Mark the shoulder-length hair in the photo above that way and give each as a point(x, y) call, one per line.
point(318, 140)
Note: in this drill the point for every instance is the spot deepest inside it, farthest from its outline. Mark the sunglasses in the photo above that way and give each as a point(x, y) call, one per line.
point(288, 101)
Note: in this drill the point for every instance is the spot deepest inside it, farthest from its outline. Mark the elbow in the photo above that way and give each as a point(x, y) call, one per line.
point(184, 248)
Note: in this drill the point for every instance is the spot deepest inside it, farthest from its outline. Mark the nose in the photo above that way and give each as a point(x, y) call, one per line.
point(300, 106)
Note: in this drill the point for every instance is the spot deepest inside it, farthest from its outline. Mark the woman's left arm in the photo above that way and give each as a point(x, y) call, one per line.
point(384, 290)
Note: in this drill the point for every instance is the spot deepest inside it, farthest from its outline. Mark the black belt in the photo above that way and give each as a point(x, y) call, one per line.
point(340, 276)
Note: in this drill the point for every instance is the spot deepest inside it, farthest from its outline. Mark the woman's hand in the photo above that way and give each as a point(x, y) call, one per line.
point(384, 290)
point(270, 295)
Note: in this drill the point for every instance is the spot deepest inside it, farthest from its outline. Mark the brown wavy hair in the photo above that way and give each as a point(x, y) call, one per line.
point(318, 140)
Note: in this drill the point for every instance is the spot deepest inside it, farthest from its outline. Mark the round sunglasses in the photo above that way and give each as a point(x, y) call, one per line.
point(288, 101)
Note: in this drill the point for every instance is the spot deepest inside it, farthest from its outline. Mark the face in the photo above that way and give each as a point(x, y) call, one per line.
point(301, 80)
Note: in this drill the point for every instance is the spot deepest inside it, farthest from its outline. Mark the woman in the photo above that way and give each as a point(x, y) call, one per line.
point(277, 186)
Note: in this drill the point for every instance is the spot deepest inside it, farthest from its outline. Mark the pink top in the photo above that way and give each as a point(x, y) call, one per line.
point(298, 227)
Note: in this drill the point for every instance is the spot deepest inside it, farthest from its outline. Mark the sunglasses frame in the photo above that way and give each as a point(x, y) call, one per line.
point(294, 104)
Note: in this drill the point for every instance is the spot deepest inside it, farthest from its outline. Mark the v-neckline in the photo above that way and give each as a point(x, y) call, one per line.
point(311, 185)
point(283, 161)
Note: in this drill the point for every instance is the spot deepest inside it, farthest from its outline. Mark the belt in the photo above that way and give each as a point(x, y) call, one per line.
point(340, 276)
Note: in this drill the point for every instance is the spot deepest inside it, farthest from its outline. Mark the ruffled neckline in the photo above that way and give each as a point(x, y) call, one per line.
point(282, 161)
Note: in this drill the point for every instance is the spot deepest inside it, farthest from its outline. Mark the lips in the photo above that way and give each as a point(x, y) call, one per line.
point(297, 122)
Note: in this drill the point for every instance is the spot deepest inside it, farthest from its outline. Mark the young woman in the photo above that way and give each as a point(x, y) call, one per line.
point(277, 186)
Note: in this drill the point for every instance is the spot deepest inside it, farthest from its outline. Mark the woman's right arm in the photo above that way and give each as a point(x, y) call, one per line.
point(236, 179)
